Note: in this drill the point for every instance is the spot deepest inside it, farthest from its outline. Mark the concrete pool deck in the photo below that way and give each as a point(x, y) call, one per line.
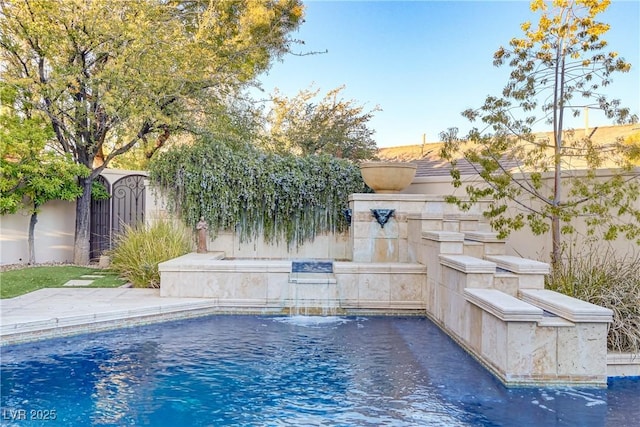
point(55, 312)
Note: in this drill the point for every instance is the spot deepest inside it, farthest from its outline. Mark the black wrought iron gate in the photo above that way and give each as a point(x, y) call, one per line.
point(108, 217)
point(100, 230)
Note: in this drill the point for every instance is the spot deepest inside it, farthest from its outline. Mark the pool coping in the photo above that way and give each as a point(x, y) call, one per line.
point(58, 312)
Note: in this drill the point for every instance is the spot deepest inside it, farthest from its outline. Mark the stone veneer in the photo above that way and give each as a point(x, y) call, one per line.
point(429, 258)
point(270, 285)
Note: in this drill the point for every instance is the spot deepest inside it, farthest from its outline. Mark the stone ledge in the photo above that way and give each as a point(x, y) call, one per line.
point(346, 267)
point(389, 306)
point(483, 236)
point(312, 278)
point(53, 327)
point(569, 308)
point(213, 262)
point(427, 216)
point(394, 197)
point(519, 265)
point(467, 264)
point(503, 306)
point(623, 364)
point(443, 236)
point(463, 216)
point(614, 358)
point(551, 320)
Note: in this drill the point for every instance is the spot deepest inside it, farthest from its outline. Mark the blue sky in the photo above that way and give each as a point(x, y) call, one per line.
point(424, 62)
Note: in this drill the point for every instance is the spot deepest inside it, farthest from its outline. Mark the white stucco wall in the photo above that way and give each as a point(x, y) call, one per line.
point(55, 231)
point(524, 243)
point(53, 234)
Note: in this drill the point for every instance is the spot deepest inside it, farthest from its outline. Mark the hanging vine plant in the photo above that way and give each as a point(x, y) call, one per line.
point(282, 198)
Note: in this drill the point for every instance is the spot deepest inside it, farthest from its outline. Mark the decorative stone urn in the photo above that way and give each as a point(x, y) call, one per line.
point(387, 177)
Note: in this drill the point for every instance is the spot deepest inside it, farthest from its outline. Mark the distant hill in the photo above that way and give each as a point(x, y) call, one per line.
point(431, 164)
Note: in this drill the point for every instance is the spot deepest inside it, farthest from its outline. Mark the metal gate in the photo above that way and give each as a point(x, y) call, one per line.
point(127, 203)
point(126, 206)
point(100, 228)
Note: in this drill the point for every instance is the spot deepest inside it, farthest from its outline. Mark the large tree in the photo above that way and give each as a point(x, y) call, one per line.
point(111, 74)
point(558, 69)
point(332, 125)
point(237, 121)
point(31, 174)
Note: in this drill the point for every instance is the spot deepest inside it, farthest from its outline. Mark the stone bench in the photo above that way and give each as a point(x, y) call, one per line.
point(489, 241)
point(564, 306)
point(530, 273)
point(468, 264)
point(464, 271)
point(503, 306)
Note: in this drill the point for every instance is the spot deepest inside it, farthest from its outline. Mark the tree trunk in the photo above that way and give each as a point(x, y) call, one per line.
point(556, 246)
point(162, 139)
point(558, 126)
point(83, 223)
point(31, 239)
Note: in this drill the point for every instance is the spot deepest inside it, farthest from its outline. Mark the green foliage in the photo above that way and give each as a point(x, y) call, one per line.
point(138, 251)
point(631, 145)
point(22, 281)
point(32, 173)
point(41, 177)
point(27, 167)
point(283, 198)
point(558, 68)
point(603, 279)
point(99, 191)
point(330, 126)
point(110, 75)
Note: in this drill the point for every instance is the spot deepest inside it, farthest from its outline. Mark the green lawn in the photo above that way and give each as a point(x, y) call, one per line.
point(18, 282)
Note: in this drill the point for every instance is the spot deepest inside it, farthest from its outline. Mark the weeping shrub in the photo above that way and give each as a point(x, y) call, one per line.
point(287, 199)
point(138, 251)
point(608, 281)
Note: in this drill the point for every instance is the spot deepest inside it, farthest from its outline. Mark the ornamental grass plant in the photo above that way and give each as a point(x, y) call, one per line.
point(609, 281)
point(139, 250)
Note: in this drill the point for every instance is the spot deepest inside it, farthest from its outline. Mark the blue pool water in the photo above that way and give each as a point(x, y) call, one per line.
point(255, 371)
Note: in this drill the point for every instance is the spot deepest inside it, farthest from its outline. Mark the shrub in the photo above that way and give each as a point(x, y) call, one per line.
point(608, 281)
point(285, 199)
point(139, 250)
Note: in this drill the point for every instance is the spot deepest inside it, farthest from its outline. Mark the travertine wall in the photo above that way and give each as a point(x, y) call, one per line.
point(429, 258)
point(474, 292)
point(260, 285)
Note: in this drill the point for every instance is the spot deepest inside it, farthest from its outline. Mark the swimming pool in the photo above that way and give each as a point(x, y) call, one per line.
point(252, 370)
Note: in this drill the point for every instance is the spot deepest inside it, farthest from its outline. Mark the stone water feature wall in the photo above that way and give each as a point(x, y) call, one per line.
point(491, 303)
point(272, 287)
point(428, 257)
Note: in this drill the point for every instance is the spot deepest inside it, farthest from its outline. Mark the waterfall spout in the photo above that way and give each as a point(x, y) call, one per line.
point(382, 215)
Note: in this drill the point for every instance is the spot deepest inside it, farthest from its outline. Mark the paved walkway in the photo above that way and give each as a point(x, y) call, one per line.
point(54, 312)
